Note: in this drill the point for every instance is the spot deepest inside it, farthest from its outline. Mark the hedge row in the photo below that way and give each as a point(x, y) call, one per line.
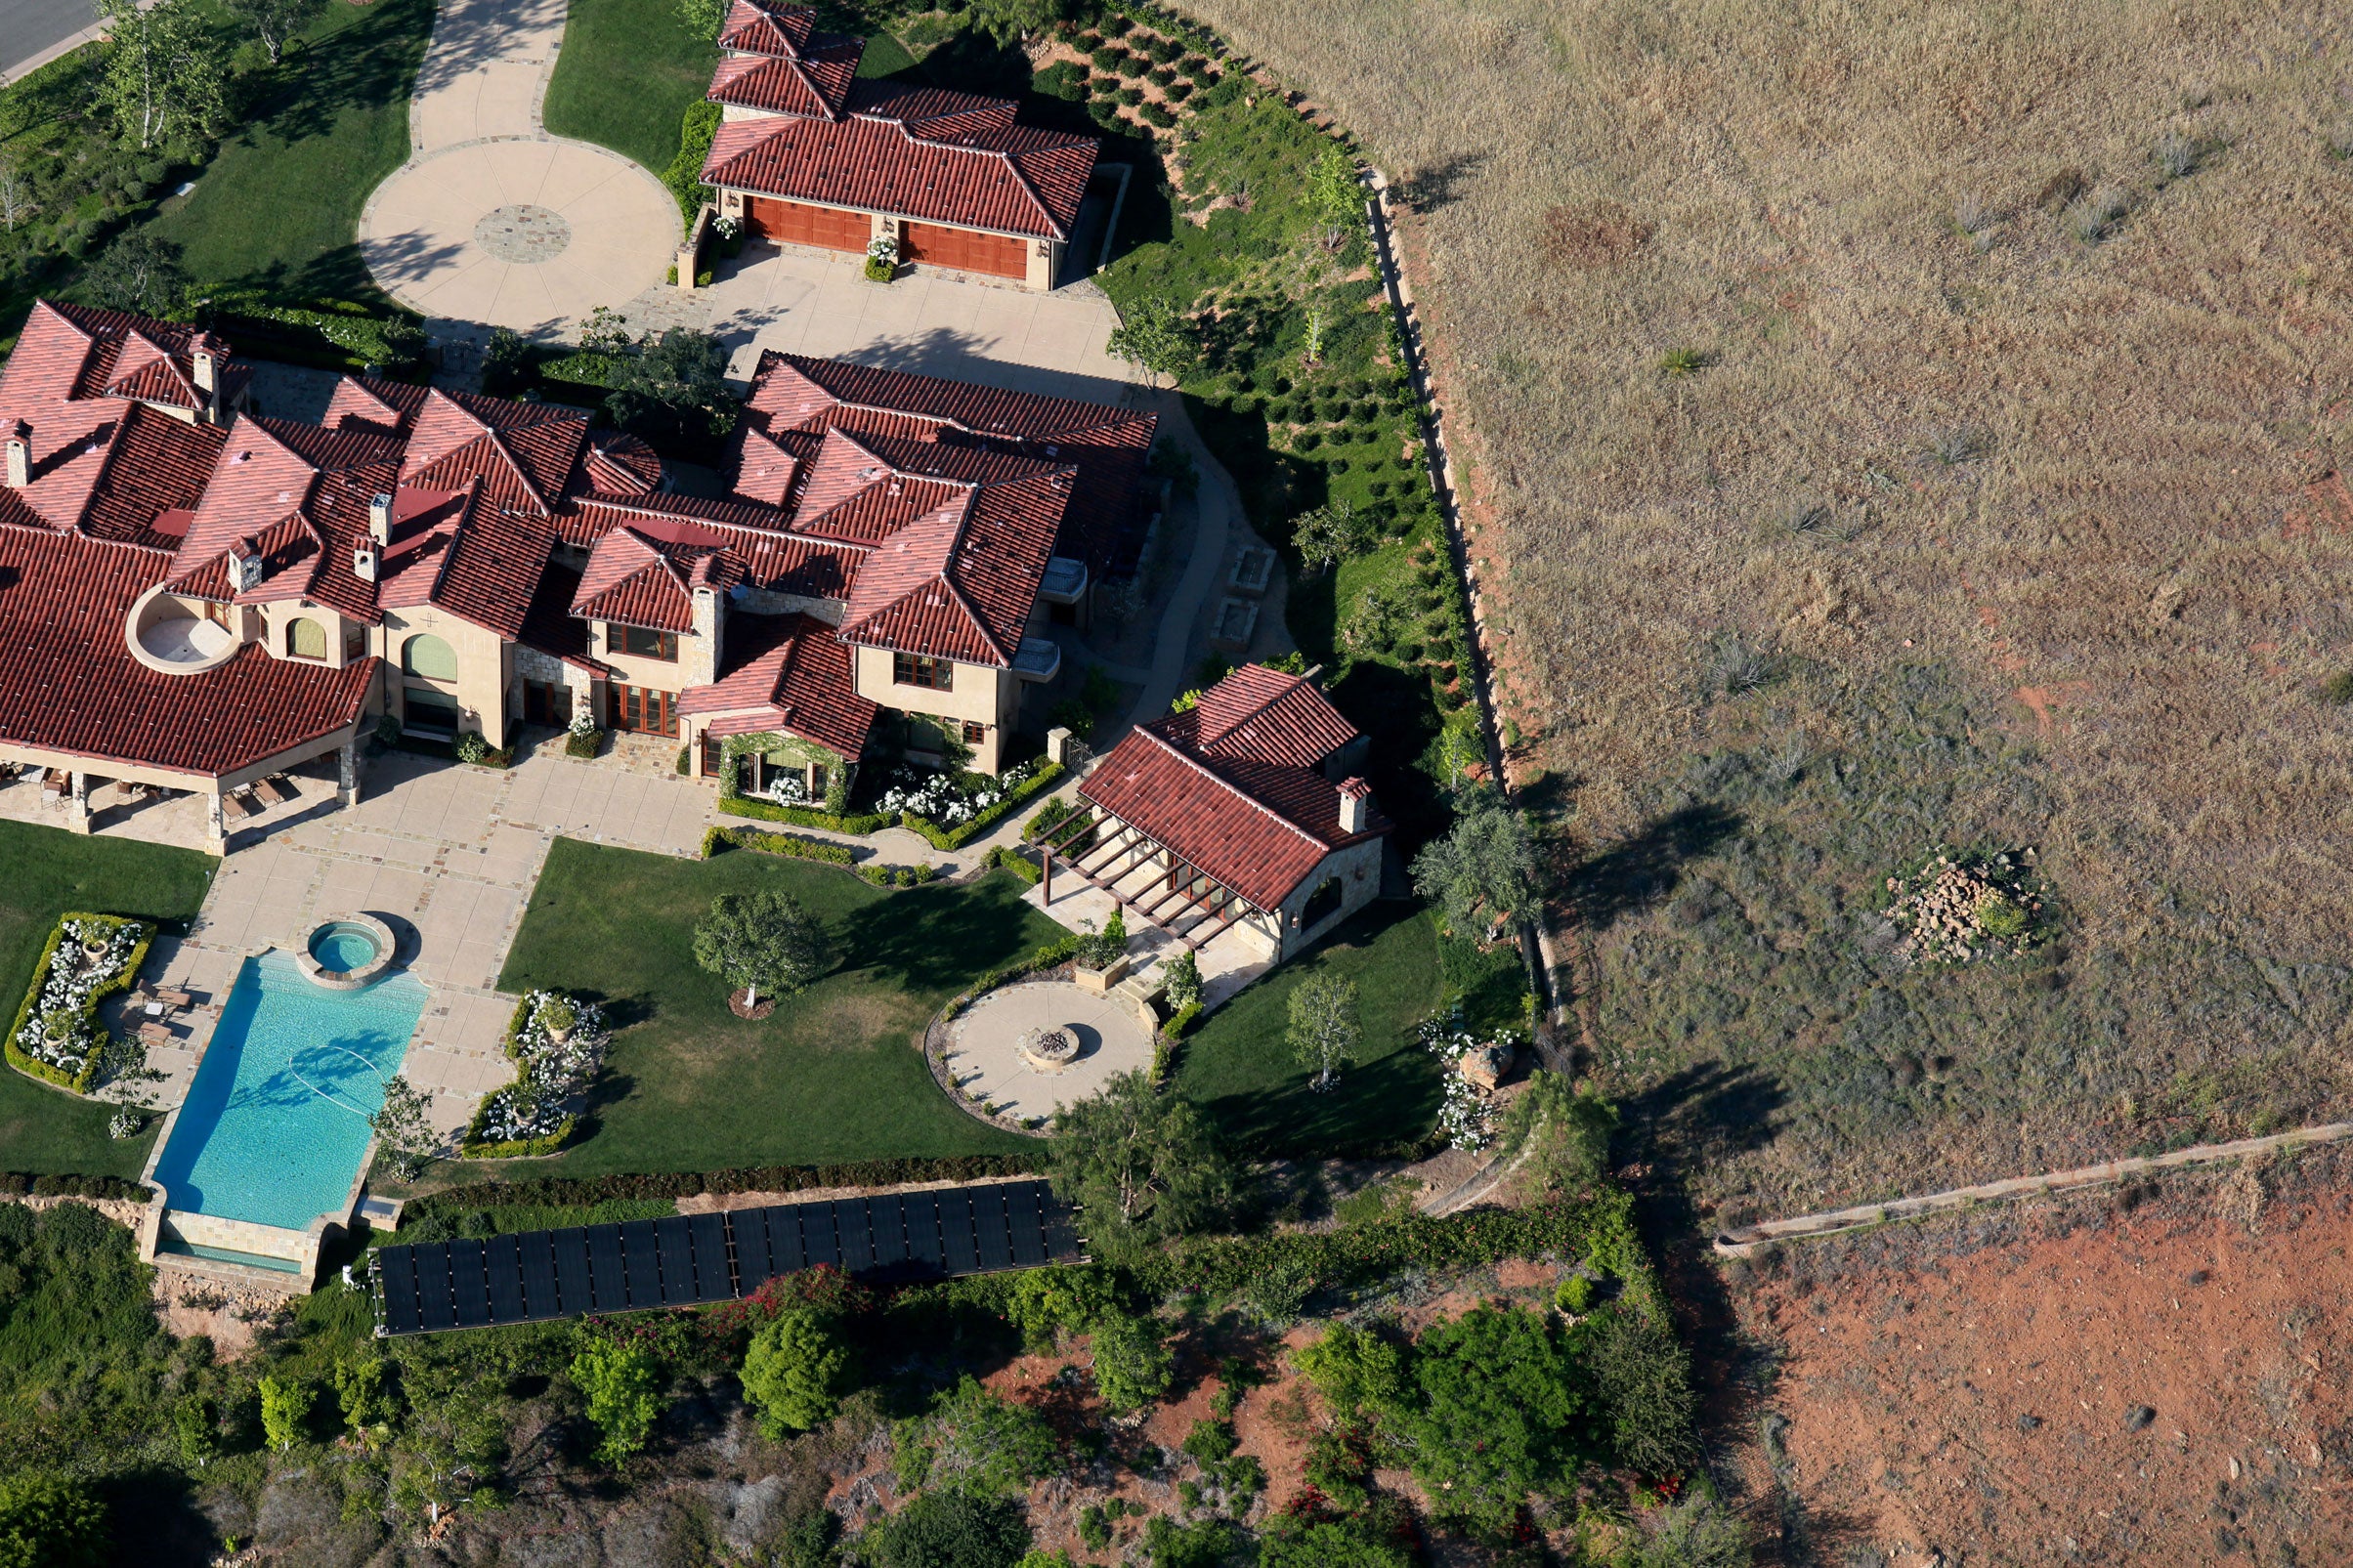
point(32, 1067)
point(802, 816)
point(17, 1184)
point(1048, 775)
point(569, 1191)
point(791, 845)
point(1007, 858)
point(473, 1146)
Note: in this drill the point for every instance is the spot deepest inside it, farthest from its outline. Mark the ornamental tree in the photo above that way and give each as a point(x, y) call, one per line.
point(1157, 336)
point(976, 1441)
point(796, 1371)
point(1132, 1366)
point(137, 273)
point(48, 1522)
point(166, 73)
point(273, 23)
point(403, 1128)
point(285, 1409)
point(761, 941)
point(1485, 868)
point(674, 385)
point(1144, 1165)
point(1323, 1030)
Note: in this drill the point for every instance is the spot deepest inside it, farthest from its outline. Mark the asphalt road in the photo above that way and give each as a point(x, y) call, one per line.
point(29, 27)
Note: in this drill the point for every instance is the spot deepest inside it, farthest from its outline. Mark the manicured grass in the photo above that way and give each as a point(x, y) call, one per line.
point(49, 871)
point(835, 1073)
point(628, 70)
point(1240, 1069)
point(280, 205)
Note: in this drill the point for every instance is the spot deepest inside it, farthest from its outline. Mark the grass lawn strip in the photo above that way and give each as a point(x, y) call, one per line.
point(626, 75)
point(835, 1073)
point(49, 871)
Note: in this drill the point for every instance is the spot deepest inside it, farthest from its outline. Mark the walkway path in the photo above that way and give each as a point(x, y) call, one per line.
point(1746, 1239)
point(492, 221)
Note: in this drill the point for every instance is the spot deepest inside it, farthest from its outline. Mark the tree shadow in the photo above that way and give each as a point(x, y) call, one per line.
point(931, 939)
point(1441, 184)
point(1637, 871)
point(1393, 706)
point(1709, 1105)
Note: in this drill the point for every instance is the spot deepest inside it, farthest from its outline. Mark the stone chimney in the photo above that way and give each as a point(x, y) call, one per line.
point(379, 521)
point(20, 455)
point(206, 365)
point(363, 563)
point(1355, 805)
point(698, 660)
point(245, 565)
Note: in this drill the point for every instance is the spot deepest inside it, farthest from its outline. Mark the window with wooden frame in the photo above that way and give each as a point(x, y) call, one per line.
point(643, 709)
point(975, 734)
point(640, 643)
point(914, 669)
point(1322, 905)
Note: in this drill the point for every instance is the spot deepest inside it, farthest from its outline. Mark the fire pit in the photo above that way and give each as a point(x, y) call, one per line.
point(1051, 1049)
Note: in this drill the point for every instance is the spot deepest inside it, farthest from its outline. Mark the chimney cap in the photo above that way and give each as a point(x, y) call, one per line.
point(20, 430)
point(1355, 789)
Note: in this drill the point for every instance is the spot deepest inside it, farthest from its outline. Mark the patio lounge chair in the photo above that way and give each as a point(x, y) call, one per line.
point(155, 1031)
point(172, 997)
point(55, 783)
point(274, 792)
point(239, 805)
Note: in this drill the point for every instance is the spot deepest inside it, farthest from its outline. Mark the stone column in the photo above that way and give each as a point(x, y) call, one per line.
point(216, 823)
point(77, 808)
point(347, 772)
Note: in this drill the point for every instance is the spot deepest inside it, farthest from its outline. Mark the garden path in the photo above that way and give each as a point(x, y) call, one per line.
point(493, 222)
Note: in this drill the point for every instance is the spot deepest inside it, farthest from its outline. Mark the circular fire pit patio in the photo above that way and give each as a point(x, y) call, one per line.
point(1026, 1050)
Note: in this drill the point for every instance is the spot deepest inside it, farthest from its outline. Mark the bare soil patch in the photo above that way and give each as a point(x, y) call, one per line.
point(2156, 1379)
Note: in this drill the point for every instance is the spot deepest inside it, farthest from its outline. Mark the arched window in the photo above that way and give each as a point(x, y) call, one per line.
point(428, 655)
point(306, 638)
point(1322, 905)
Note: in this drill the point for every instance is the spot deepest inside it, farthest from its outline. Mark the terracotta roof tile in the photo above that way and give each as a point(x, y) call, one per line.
point(788, 673)
point(1264, 715)
point(641, 582)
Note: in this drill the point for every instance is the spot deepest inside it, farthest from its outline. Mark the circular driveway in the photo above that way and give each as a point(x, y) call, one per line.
point(984, 1046)
point(529, 233)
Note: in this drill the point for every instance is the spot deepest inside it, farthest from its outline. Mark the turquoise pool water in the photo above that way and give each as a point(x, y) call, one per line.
point(277, 1119)
point(342, 947)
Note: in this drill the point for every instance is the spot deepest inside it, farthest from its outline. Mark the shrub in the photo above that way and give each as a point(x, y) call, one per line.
point(1684, 362)
point(684, 177)
point(1065, 80)
point(286, 1411)
point(586, 743)
point(56, 1036)
point(1131, 67)
point(791, 845)
point(950, 1530)
point(857, 827)
point(48, 1522)
point(795, 1370)
point(1132, 1366)
point(619, 1382)
point(974, 1441)
point(1157, 115)
point(2337, 690)
point(1129, 96)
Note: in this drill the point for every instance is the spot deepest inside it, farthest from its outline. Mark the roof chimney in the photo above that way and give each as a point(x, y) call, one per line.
point(1355, 805)
point(379, 520)
point(20, 455)
point(363, 563)
point(245, 565)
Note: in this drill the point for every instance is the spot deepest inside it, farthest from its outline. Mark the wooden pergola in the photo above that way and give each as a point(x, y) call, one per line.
point(1171, 892)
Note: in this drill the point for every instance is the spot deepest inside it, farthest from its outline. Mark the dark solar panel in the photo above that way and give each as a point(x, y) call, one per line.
point(749, 1229)
point(922, 1211)
point(958, 1254)
point(1028, 1226)
point(469, 1285)
point(433, 1287)
point(675, 1244)
point(819, 1243)
point(1062, 1232)
point(502, 1260)
point(854, 1229)
point(611, 1290)
point(571, 1271)
point(989, 1236)
point(538, 1271)
point(641, 1262)
point(886, 1232)
point(715, 1277)
point(396, 1272)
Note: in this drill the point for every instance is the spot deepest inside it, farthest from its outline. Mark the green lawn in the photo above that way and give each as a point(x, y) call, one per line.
point(280, 204)
point(626, 74)
point(1241, 1071)
point(836, 1075)
point(49, 871)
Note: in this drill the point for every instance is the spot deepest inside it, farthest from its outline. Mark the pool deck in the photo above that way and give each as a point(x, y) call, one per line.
point(445, 854)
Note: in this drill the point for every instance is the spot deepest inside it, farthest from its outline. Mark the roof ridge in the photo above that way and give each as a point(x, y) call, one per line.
point(1291, 684)
point(947, 578)
point(1202, 768)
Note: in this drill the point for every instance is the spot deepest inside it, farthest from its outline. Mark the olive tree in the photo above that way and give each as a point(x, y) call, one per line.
point(763, 941)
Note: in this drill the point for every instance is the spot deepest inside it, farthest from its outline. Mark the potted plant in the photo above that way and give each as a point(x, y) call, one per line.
point(1103, 961)
point(59, 1028)
point(559, 1018)
point(882, 258)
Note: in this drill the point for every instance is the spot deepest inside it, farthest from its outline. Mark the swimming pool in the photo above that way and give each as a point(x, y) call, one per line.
point(275, 1123)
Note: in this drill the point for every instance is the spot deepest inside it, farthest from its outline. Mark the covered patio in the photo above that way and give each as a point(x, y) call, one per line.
point(170, 805)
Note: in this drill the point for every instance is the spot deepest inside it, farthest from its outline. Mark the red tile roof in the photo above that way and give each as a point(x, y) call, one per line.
point(767, 26)
point(816, 82)
point(641, 582)
point(788, 673)
point(73, 686)
point(964, 165)
point(1252, 818)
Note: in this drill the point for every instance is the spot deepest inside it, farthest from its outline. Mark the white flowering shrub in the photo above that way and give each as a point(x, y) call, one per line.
point(1467, 1116)
point(950, 800)
point(1958, 908)
point(583, 722)
point(551, 1073)
point(884, 250)
point(125, 1123)
point(92, 957)
point(788, 788)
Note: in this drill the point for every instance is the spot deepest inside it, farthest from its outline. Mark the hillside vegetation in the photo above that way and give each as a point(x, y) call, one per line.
point(1893, 429)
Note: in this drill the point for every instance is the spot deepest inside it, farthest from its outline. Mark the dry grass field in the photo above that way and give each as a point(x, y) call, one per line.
point(1895, 426)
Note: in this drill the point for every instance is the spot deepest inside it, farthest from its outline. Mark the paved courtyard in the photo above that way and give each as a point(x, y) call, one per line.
point(984, 1046)
point(445, 854)
point(492, 221)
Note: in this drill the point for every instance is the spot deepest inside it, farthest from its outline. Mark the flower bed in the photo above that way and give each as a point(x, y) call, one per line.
point(56, 1036)
point(952, 809)
point(1467, 1116)
point(538, 1112)
point(1957, 908)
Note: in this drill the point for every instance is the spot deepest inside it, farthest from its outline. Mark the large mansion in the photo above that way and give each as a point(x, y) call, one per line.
point(193, 596)
point(810, 154)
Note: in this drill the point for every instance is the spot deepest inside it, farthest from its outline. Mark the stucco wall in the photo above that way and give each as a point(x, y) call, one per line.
point(485, 669)
point(977, 694)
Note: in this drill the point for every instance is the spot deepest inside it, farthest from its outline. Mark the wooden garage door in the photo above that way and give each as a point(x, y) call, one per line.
point(798, 224)
point(942, 246)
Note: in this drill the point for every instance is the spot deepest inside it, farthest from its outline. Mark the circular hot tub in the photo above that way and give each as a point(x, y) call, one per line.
point(346, 953)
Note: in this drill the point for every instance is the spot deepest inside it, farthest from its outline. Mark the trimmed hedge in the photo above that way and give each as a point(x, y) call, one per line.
point(801, 816)
point(958, 837)
point(1007, 858)
point(898, 875)
point(30, 1066)
point(568, 1191)
point(17, 1184)
point(791, 845)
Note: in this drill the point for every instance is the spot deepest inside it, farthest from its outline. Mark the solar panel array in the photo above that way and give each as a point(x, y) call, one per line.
point(687, 1259)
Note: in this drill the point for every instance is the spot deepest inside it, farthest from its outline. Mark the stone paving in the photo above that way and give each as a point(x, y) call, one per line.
point(984, 1047)
point(445, 854)
point(493, 222)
